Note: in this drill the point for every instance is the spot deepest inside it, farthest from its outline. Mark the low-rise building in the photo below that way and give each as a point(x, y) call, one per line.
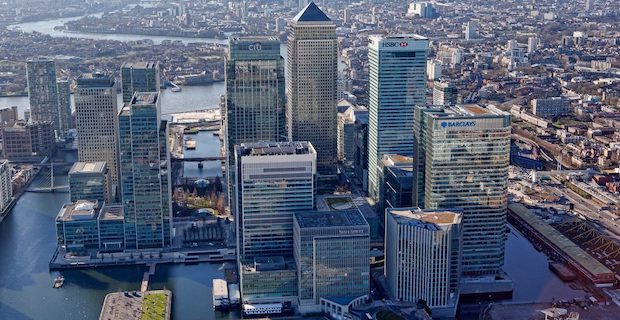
point(27, 141)
point(551, 107)
point(90, 181)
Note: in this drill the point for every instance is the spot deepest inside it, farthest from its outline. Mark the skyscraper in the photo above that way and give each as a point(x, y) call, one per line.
point(471, 30)
point(90, 181)
point(466, 153)
point(144, 173)
point(139, 77)
point(444, 93)
point(332, 252)
point(312, 81)
point(273, 180)
point(397, 85)
point(96, 121)
point(423, 258)
point(64, 105)
point(42, 91)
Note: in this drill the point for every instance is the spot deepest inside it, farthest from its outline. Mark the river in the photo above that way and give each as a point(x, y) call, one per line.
point(27, 240)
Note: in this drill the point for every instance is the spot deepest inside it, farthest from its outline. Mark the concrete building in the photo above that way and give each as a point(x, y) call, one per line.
point(139, 77)
point(421, 10)
point(90, 181)
point(23, 141)
point(6, 188)
point(347, 115)
point(273, 180)
point(466, 154)
point(65, 117)
point(332, 252)
point(90, 225)
point(8, 115)
point(423, 258)
point(551, 107)
point(471, 30)
point(312, 82)
point(532, 44)
point(396, 181)
point(255, 94)
point(433, 69)
point(42, 91)
point(444, 94)
point(96, 121)
point(397, 85)
point(145, 183)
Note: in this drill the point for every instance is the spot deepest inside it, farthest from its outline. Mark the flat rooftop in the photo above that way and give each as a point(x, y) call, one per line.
point(584, 259)
point(80, 210)
point(274, 148)
point(400, 37)
point(425, 219)
point(144, 98)
point(112, 212)
point(88, 168)
point(330, 219)
point(470, 110)
point(95, 79)
point(254, 39)
point(141, 65)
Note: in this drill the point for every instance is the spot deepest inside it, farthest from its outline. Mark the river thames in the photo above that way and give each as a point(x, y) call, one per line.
point(27, 241)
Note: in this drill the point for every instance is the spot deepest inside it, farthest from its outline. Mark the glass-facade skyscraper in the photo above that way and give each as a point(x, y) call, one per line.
point(42, 91)
point(466, 157)
point(64, 105)
point(97, 121)
point(312, 74)
point(144, 173)
point(397, 84)
point(139, 77)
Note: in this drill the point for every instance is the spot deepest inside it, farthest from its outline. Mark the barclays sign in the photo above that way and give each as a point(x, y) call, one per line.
point(458, 124)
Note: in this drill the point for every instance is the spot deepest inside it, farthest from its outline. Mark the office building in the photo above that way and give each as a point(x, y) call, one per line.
point(42, 91)
point(466, 157)
point(422, 10)
point(423, 258)
point(532, 44)
point(6, 188)
point(397, 85)
point(84, 225)
point(273, 180)
point(433, 69)
point(22, 141)
point(444, 93)
point(64, 106)
point(90, 181)
point(139, 77)
point(360, 155)
point(396, 181)
point(347, 115)
point(551, 107)
point(332, 252)
point(8, 115)
point(255, 105)
point(269, 279)
point(312, 81)
point(96, 121)
point(471, 30)
point(144, 173)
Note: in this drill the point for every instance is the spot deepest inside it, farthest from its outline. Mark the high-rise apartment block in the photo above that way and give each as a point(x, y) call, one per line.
point(551, 107)
point(423, 258)
point(397, 85)
point(312, 81)
point(96, 121)
point(332, 253)
point(471, 30)
point(444, 93)
point(139, 77)
point(145, 173)
point(90, 181)
point(465, 151)
point(42, 91)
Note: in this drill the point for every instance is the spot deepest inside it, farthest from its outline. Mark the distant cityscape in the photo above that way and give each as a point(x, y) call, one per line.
point(368, 160)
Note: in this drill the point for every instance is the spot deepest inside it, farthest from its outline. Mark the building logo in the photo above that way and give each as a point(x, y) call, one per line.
point(395, 44)
point(255, 47)
point(403, 44)
point(455, 124)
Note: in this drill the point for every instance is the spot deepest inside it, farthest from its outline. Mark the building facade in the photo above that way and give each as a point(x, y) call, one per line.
point(42, 91)
point(312, 78)
point(332, 251)
point(64, 106)
point(23, 141)
point(396, 181)
point(144, 173)
point(139, 77)
point(444, 93)
point(6, 187)
point(551, 107)
point(467, 153)
point(397, 85)
point(97, 122)
point(90, 181)
point(422, 257)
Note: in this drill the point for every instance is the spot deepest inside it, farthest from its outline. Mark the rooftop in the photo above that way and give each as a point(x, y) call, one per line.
point(141, 65)
point(311, 13)
point(330, 219)
point(88, 168)
point(425, 219)
point(95, 79)
point(80, 210)
point(399, 37)
point(112, 212)
point(466, 111)
point(144, 98)
point(274, 148)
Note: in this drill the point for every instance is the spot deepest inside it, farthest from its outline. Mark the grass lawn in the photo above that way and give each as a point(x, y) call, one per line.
point(154, 306)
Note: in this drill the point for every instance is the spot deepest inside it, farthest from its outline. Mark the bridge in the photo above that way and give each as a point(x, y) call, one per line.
point(198, 159)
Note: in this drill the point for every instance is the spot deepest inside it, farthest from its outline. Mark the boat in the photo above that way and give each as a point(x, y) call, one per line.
point(200, 165)
point(190, 144)
point(59, 281)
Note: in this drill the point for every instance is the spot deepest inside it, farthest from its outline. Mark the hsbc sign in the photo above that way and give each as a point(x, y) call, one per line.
point(394, 44)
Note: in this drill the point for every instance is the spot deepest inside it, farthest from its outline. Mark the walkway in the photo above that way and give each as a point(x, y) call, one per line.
point(145, 278)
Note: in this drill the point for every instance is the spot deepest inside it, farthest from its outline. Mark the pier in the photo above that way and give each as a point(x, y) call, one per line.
point(145, 278)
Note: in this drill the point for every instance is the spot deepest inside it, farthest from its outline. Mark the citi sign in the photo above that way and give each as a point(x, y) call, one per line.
point(455, 124)
point(255, 47)
point(394, 44)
